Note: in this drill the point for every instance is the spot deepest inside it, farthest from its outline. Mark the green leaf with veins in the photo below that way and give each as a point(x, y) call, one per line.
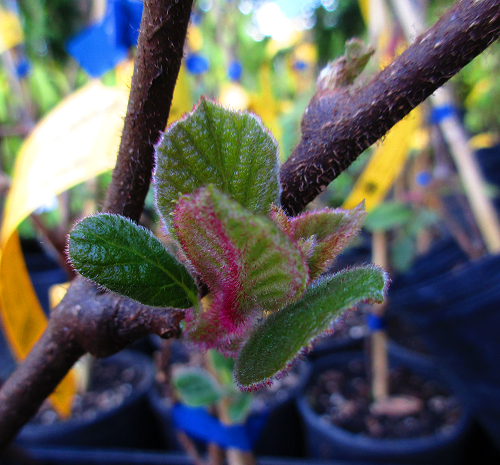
point(213, 145)
point(280, 339)
point(126, 258)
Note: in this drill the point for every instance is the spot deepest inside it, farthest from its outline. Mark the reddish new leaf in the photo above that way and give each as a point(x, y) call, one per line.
point(322, 234)
point(249, 264)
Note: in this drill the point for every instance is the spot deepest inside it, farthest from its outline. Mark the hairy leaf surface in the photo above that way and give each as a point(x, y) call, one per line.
point(322, 234)
point(213, 145)
point(280, 339)
point(249, 264)
point(126, 258)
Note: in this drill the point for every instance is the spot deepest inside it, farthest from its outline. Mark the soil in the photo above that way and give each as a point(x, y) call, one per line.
point(343, 397)
point(110, 385)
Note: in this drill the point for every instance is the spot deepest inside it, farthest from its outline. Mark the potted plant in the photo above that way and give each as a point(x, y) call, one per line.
point(198, 404)
point(387, 405)
point(266, 300)
point(455, 313)
point(122, 199)
point(423, 422)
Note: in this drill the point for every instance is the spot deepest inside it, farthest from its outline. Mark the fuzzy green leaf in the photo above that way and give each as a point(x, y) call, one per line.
point(281, 338)
point(249, 264)
point(126, 258)
point(321, 234)
point(330, 230)
point(196, 387)
point(213, 145)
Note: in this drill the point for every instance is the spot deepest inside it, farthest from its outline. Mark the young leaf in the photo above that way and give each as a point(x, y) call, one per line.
point(196, 387)
point(247, 262)
point(223, 366)
point(239, 407)
point(126, 258)
point(213, 145)
point(280, 339)
point(321, 235)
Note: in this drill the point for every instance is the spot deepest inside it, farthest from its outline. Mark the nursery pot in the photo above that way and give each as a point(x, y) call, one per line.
point(327, 441)
point(457, 314)
point(126, 422)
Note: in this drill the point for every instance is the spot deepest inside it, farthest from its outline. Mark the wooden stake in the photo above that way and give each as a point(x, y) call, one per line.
point(98, 10)
point(378, 339)
point(380, 366)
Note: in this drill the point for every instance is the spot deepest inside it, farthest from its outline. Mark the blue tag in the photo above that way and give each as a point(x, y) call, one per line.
point(199, 424)
point(439, 114)
point(300, 65)
point(99, 48)
point(23, 68)
point(423, 178)
point(197, 64)
point(234, 70)
point(375, 322)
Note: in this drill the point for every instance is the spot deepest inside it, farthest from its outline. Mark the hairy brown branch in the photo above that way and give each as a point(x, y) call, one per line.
point(88, 320)
point(157, 63)
point(340, 124)
point(34, 380)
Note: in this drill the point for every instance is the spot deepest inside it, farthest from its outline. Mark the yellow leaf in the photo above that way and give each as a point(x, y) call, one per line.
point(77, 141)
point(11, 32)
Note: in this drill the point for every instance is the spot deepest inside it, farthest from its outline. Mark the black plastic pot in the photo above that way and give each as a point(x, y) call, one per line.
point(327, 441)
point(129, 424)
point(50, 456)
point(457, 313)
point(282, 434)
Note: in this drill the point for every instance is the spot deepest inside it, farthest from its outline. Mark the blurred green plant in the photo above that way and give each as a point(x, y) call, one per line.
point(479, 90)
point(48, 24)
point(405, 222)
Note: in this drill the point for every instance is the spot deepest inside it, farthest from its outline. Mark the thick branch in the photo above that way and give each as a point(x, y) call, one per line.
point(86, 320)
point(34, 380)
point(340, 124)
point(108, 322)
point(157, 63)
